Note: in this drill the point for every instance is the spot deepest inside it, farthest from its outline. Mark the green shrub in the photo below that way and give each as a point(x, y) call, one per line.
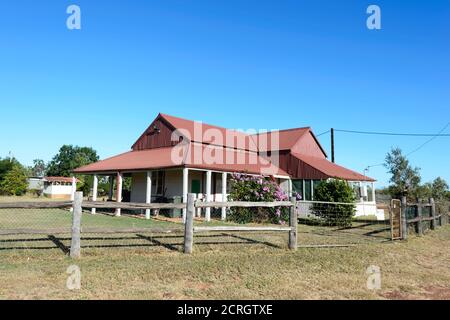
point(15, 182)
point(334, 214)
point(254, 189)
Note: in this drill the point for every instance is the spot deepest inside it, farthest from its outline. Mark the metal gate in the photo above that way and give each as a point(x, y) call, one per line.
point(396, 219)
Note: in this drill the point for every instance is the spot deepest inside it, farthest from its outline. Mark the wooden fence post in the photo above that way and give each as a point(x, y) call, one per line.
point(433, 214)
point(75, 244)
point(404, 219)
point(293, 221)
point(189, 224)
point(419, 225)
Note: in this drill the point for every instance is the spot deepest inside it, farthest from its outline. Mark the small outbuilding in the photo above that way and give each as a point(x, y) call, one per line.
point(62, 188)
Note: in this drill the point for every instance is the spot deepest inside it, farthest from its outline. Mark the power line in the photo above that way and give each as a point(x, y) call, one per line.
point(323, 133)
point(395, 133)
point(439, 134)
point(429, 140)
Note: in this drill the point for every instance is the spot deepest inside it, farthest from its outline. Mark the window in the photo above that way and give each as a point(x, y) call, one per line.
point(158, 182)
point(370, 192)
point(308, 190)
point(356, 190)
point(315, 183)
point(297, 186)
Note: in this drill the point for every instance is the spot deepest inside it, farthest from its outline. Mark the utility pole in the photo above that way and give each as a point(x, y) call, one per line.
point(332, 145)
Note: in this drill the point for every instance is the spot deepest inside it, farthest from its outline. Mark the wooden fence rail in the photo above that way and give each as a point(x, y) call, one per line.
point(192, 205)
point(419, 219)
point(36, 205)
point(132, 205)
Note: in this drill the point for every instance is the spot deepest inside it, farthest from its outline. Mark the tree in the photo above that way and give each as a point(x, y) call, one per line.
point(15, 181)
point(405, 179)
point(69, 158)
point(423, 191)
point(39, 168)
point(334, 214)
point(6, 165)
point(439, 189)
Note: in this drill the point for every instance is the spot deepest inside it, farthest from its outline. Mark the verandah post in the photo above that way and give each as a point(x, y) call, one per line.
point(75, 244)
point(293, 221)
point(189, 224)
point(94, 192)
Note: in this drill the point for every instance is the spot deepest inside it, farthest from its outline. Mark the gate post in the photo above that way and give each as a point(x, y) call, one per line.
point(293, 221)
point(404, 221)
point(75, 244)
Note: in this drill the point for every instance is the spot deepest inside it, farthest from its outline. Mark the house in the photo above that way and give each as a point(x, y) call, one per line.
point(175, 156)
point(61, 188)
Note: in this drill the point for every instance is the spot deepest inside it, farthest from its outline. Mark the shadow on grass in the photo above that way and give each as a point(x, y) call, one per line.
point(154, 241)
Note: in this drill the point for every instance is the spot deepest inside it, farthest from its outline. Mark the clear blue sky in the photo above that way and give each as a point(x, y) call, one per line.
point(235, 63)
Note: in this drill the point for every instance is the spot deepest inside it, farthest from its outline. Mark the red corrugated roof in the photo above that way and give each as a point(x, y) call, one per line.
point(331, 169)
point(134, 160)
point(279, 139)
point(193, 155)
point(233, 138)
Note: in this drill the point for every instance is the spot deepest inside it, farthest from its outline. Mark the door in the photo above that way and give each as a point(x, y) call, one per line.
point(195, 186)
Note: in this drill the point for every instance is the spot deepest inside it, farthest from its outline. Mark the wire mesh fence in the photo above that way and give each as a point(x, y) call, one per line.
point(129, 229)
point(48, 226)
point(335, 224)
point(35, 226)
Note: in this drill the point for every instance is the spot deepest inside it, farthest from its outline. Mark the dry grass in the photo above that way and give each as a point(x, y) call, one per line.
point(152, 268)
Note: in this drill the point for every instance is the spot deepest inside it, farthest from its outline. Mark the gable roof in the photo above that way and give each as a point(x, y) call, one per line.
point(287, 139)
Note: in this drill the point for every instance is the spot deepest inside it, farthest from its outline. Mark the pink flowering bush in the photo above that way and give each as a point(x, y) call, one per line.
point(257, 188)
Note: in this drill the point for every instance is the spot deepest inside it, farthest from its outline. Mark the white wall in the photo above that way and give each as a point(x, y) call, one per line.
point(369, 209)
point(174, 183)
point(138, 187)
point(58, 190)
